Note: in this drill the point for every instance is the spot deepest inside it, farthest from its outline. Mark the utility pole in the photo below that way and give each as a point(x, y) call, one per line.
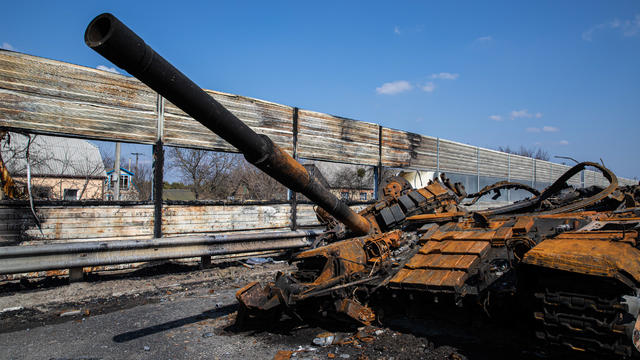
point(137, 154)
point(116, 170)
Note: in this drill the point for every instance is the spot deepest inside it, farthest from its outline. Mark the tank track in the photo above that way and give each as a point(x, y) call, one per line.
point(592, 320)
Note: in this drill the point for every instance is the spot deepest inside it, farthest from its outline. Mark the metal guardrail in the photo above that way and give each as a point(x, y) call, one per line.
point(22, 259)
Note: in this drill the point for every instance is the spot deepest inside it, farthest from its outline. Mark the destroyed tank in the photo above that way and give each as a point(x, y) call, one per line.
point(566, 258)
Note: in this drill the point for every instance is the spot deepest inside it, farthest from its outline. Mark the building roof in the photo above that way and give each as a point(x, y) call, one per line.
point(52, 156)
point(121, 171)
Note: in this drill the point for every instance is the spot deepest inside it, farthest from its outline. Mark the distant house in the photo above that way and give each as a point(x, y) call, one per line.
point(128, 190)
point(61, 168)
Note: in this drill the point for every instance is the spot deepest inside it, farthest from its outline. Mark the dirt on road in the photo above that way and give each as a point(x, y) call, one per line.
point(177, 311)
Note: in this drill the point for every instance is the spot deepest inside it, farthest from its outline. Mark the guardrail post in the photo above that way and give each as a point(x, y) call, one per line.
point(205, 261)
point(76, 274)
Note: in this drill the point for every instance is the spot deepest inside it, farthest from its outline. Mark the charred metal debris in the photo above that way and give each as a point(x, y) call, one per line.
point(568, 258)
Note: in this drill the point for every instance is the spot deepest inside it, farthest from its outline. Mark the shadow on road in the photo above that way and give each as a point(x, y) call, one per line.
point(209, 314)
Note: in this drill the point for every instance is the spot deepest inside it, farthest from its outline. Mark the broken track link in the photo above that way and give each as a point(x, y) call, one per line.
point(591, 317)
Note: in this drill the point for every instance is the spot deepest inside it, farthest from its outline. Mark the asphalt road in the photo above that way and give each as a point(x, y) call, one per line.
point(175, 328)
point(187, 315)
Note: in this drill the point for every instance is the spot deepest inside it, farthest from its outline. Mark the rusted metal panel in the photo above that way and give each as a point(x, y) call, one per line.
point(273, 120)
point(331, 138)
point(493, 163)
point(428, 278)
point(50, 96)
point(405, 149)
point(458, 158)
point(190, 219)
point(455, 247)
point(442, 261)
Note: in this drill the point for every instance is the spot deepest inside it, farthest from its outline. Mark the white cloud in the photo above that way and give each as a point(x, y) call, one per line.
point(520, 114)
point(394, 87)
point(549, 129)
point(563, 142)
point(429, 87)
point(628, 27)
point(484, 39)
point(533, 129)
point(538, 115)
point(7, 46)
point(445, 76)
point(495, 117)
point(396, 30)
point(106, 68)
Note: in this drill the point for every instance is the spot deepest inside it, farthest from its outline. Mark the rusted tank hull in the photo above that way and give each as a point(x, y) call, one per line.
point(576, 271)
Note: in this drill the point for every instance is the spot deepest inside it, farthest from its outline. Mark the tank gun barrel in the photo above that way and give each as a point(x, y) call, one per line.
point(116, 42)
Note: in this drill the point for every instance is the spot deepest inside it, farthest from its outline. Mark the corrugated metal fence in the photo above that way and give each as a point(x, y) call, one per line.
point(51, 97)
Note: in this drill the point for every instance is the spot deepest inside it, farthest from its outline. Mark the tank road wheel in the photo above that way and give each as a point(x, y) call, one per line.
point(393, 187)
point(587, 314)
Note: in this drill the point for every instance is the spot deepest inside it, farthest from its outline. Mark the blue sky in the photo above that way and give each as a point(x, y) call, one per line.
point(563, 76)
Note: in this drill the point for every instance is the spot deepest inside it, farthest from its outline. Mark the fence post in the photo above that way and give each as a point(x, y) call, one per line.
point(509, 176)
point(377, 170)
point(478, 168)
point(438, 157)
point(533, 172)
point(158, 170)
point(293, 198)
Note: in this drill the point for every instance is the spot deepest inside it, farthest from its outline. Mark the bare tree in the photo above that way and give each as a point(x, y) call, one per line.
point(108, 159)
point(202, 170)
point(142, 179)
point(534, 153)
point(350, 178)
point(248, 182)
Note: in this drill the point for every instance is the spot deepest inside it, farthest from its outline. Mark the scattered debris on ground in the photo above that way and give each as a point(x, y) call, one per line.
point(27, 303)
